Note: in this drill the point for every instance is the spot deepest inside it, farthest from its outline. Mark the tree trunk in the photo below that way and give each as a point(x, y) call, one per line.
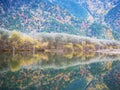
point(33, 50)
point(13, 51)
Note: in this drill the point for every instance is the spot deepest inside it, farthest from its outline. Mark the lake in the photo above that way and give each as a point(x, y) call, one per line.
point(59, 71)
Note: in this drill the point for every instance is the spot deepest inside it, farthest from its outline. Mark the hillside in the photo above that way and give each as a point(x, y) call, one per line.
point(39, 16)
point(78, 17)
point(113, 19)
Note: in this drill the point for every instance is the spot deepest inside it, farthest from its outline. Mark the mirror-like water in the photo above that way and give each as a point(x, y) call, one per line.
point(58, 71)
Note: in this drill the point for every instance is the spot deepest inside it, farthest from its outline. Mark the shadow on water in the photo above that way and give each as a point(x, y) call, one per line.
point(59, 71)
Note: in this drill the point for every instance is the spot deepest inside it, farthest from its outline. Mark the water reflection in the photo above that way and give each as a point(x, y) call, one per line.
point(59, 71)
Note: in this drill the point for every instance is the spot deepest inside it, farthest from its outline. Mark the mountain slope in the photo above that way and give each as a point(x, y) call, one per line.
point(79, 17)
point(113, 19)
point(72, 7)
point(39, 16)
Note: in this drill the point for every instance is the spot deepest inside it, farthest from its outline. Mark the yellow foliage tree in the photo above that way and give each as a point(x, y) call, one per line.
point(91, 46)
point(78, 47)
point(69, 47)
point(68, 55)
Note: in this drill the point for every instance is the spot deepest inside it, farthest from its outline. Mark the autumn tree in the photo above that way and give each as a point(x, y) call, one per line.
point(15, 39)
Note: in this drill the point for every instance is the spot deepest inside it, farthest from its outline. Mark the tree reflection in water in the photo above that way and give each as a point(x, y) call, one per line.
point(58, 71)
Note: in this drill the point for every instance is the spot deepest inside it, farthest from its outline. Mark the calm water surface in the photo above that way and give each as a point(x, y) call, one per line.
point(57, 71)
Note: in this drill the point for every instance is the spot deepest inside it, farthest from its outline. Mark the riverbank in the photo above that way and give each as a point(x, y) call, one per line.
point(109, 51)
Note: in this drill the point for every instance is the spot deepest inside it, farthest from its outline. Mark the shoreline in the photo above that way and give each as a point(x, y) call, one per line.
point(109, 51)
